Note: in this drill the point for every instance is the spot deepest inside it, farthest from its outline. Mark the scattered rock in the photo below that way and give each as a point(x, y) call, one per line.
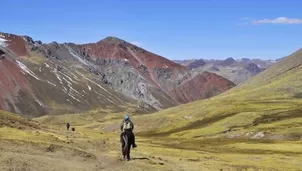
point(51, 148)
point(194, 160)
point(188, 117)
point(228, 130)
point(2, 53)
point(55, 45)
point(28, 39)
point(234, 136)
point(259, 135)
point(38, 42)
point(59, 68)
point(249, 133)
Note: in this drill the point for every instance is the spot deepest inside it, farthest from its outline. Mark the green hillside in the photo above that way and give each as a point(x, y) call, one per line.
point(269, 102)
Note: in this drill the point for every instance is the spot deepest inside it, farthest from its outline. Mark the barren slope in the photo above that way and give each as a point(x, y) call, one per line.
point(202, 86)
point(159, 71)
point(44, 81)
point(57, 78)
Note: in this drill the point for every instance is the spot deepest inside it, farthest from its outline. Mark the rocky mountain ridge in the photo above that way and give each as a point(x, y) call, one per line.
point(237, 71)
point(111, 74)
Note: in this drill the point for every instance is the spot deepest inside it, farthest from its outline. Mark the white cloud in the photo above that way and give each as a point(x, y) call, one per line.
point(136, 43)
point(280, 20)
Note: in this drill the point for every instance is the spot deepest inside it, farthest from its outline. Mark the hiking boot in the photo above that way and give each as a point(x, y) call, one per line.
point(134, 146)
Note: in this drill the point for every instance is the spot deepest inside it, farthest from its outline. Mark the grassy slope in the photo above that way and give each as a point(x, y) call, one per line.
point(269, 103)
point(187, 137)
point(269, 100)
point(94, 146)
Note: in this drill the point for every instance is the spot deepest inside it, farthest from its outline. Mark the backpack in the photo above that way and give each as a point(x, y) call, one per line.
point(127, 125)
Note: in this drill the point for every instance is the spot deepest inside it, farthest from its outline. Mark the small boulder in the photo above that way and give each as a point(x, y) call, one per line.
point(38, 42)
point(259, 135)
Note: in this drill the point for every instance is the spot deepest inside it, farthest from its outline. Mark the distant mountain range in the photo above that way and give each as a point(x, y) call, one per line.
point(236, 71)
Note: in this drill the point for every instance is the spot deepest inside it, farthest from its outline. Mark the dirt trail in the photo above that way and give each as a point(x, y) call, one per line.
point(78, 152)
point(29, 157)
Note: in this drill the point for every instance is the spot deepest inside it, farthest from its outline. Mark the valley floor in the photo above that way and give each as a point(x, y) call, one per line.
point(95, 146)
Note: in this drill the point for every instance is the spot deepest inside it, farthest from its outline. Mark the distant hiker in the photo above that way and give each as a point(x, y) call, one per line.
point(67, 126)
point(127, 126)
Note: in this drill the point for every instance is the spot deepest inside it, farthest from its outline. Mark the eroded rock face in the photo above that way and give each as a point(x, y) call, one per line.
point(16, 44)
point(114, 48)
point(204, 85)
point(12, 82)
point(51, 79)
point(156, 72)
point(65, 78)
point(125, 79)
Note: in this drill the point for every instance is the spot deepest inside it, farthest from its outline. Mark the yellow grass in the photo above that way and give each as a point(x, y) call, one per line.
point(213, 134)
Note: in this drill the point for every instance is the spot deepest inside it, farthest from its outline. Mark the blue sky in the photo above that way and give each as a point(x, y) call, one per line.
point(176, 29)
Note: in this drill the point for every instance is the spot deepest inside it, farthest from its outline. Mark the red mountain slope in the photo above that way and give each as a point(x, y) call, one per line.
point(12, 82)
point(204, 85)
point(114, 48)
point(108, 74)
point(51, 84)
point(162, 72)
point(15, 43)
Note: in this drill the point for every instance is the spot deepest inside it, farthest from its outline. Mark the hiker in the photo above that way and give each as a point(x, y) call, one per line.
point(127, 126)
point(67, 126)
